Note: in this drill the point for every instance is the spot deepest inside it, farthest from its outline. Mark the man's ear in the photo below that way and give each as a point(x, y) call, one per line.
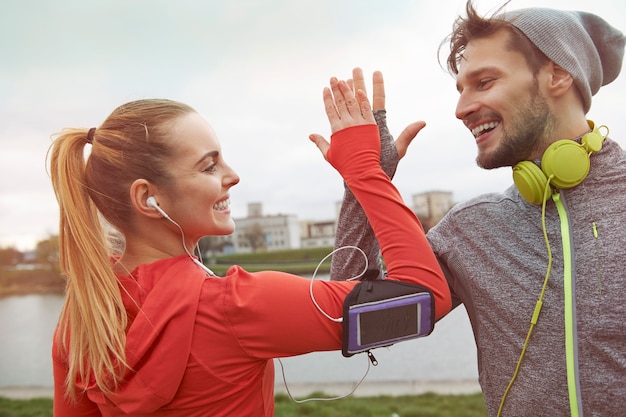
point(561, 81)
point(140, 191)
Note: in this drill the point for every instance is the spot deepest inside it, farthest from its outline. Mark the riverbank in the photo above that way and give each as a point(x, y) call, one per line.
point(30, 281)
point(298, 390)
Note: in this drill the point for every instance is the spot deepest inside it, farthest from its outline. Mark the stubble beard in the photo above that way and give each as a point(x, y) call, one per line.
point(522, 136)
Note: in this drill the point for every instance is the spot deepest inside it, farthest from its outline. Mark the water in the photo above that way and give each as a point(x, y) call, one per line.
point(27, 325)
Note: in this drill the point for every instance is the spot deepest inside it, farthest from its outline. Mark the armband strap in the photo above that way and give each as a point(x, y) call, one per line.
point(379, 313)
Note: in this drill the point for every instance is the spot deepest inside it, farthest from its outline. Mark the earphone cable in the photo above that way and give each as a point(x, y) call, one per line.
point(535, 317)
point(328, 316)
point(306, 400)
point(336, 320)
point(182, 236)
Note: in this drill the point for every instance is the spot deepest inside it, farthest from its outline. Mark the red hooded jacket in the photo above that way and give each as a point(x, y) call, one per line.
point(203, 346)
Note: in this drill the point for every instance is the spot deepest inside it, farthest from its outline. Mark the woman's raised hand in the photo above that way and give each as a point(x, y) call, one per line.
point(344, 108)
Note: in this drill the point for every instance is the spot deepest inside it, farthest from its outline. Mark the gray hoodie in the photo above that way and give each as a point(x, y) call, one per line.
point(494, 255)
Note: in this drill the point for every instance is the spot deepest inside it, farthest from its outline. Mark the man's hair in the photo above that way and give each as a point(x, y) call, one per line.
point(474, 26)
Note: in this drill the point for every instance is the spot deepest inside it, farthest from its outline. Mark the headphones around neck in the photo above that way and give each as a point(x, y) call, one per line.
point(564, 164)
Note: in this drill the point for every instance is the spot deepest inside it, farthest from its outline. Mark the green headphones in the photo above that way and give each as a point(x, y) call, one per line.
point(565, 164)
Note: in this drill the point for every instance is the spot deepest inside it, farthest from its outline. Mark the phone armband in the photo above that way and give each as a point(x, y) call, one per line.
point(378, 313)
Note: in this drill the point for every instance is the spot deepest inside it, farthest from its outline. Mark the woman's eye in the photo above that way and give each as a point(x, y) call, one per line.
point(211, 168)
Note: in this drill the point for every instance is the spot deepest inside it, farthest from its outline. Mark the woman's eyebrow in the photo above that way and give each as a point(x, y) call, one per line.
point(208, 155)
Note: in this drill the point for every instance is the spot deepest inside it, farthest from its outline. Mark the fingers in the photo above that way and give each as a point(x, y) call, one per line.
point(364, 107)
point(346, 101)
point(321, 143)
point(331, 109)
point(344, 108)
point(358, 80)
point(406, 137)
point(378, 100)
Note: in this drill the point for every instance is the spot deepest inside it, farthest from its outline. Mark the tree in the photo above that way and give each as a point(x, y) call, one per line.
point(10, 256)
point(48, 251)
point(212, 245)
point(255, 236)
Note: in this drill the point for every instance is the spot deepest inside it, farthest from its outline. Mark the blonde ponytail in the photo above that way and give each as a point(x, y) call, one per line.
point(93, 320)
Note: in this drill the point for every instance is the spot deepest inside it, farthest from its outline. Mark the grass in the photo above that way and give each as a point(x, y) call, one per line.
point(295, 261)
point(423, 405)
point(37, 407)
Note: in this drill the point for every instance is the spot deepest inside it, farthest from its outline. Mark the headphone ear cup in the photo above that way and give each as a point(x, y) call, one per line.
point(531, 182)
point(566, 162)
point(592, 141)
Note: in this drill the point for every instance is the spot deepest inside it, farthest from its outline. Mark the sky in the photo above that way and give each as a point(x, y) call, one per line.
point(255, 69)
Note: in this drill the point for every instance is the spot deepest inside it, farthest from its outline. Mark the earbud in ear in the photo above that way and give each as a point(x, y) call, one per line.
point(151, 201)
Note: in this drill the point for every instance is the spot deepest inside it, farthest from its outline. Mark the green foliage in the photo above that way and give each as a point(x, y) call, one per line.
point(424, 405)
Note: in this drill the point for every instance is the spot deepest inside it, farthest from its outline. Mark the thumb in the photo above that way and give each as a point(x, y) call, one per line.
point(321, 143)
point(406, 137)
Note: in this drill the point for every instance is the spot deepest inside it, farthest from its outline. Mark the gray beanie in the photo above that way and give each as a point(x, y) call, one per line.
point(584, 44)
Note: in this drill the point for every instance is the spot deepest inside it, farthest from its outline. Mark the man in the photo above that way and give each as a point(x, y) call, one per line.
point(550, 249)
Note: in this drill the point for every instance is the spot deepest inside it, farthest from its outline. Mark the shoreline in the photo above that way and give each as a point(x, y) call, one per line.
point(298, 390)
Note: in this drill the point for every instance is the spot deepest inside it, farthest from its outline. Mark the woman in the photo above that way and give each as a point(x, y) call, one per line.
point(152, 331)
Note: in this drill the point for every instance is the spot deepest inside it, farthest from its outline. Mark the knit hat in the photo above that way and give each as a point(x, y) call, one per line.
point(584, 44)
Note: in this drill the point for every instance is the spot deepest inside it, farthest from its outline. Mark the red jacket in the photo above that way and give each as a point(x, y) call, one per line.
point(203, 346)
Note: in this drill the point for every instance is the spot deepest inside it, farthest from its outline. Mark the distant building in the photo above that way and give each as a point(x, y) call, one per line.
point(255, 210)
point(431, 206)
point(258, 233)
point(317, 234)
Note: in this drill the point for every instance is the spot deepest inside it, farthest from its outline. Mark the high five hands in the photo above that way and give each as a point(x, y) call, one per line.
point(344, 108)
point(355, 89)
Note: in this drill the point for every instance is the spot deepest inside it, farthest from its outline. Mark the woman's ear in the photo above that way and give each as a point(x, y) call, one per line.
point(140, 191)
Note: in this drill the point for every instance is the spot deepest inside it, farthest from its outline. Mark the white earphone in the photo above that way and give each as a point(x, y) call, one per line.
point(151, 201)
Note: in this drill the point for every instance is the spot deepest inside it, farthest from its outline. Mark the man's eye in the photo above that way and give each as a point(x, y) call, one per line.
point(485, 83)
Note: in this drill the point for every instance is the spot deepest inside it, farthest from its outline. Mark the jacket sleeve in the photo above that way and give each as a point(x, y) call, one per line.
point(353, 228)
point(404, 246)
point(64, 407)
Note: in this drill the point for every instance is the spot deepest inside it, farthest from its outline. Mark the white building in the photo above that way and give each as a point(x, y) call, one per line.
point(431, 206)
point(316, 234)
point(257, 232)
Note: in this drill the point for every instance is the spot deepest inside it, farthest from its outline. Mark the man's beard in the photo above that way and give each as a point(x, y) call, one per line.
point(523, 135)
